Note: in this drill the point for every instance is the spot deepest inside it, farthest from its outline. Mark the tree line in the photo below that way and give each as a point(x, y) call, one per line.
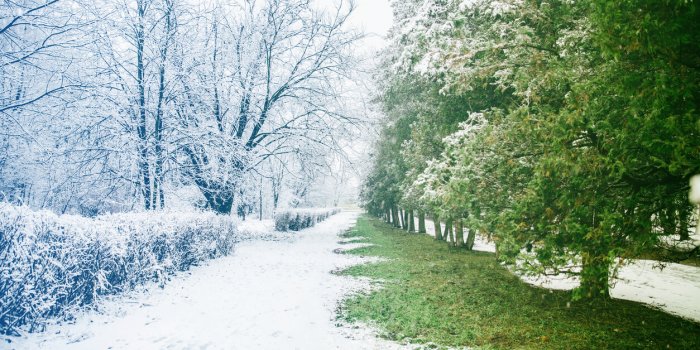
point(564, 131)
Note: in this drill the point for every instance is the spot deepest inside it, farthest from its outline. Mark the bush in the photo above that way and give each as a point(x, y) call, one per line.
point(299, 219)
point(50, 264)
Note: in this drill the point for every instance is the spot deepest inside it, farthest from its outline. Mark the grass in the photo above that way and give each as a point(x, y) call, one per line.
point(451, 297)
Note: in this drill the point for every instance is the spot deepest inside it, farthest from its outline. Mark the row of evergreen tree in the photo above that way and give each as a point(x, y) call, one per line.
point(565, 131)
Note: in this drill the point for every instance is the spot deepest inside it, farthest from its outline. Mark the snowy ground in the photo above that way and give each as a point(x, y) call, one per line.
point(267, 295)
point(675, 288)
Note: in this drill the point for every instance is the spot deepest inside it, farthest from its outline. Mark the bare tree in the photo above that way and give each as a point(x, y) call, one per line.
point(270, 90)
point(137, 55)
point(42, 82)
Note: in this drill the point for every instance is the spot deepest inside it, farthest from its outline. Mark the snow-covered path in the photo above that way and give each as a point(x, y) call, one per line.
point(267, 295)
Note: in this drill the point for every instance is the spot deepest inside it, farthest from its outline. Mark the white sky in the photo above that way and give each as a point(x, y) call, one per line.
point(374, 15)
point(375, 18)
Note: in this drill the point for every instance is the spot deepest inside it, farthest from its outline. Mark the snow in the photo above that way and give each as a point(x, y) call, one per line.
point(267, 295)
point(258, 229)
point(694, 194)
point(675, 288)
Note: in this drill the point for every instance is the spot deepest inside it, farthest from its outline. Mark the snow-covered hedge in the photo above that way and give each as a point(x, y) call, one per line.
point(50, 264)
point(299, 219)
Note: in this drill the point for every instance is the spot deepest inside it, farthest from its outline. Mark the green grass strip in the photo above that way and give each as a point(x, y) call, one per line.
point(448, 296)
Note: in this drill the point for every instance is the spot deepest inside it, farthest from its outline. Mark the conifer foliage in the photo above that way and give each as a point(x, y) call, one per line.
point(566, 131)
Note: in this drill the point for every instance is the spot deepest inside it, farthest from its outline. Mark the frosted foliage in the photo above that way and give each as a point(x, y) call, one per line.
point(467, 130)
point(51, 264)
point(299, 219)
point(458, 41)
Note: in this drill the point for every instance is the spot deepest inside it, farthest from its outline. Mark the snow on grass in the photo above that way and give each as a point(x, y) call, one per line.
point(352, 240)
point(675, 288)
point(267, 295)
point(354, 245)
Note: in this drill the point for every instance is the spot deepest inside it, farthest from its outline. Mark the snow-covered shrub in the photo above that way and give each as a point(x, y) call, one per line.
point(299, 219)
point(50, 264)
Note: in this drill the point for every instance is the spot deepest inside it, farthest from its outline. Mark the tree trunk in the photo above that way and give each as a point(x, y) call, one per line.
point(421, 222)
point(697, 221)
point(404, 217)
point(144, 166)
point(411, 222)
point(684, 217)
point(471, 236)
point(595, 273)
point(438, 228)
point(449, 232)
point(594, 278)
point(260, 199)
point(459, 233)
point(158, 128)
point(668, 223)
point(395, 217)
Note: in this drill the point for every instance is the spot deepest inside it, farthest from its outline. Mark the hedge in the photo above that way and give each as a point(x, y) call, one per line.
point(299, 219)
point(50, 264)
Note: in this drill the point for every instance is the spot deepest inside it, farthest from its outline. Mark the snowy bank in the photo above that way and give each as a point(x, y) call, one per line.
point(52, 264)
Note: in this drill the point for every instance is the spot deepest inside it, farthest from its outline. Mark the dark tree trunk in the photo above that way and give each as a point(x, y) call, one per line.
point(145, 178)
point(684, 217)
point(595, 277)
point(421, 222)
point(395, 217)
point(595, 273)
point(260, 202)
point(437, 227)
point(471, 237)
point(459, 233)
point(411, 222)
point(144, 166)
point(242, 212)
point(449, 233)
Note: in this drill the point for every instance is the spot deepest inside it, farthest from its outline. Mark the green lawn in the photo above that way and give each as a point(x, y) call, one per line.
point(452, 297)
